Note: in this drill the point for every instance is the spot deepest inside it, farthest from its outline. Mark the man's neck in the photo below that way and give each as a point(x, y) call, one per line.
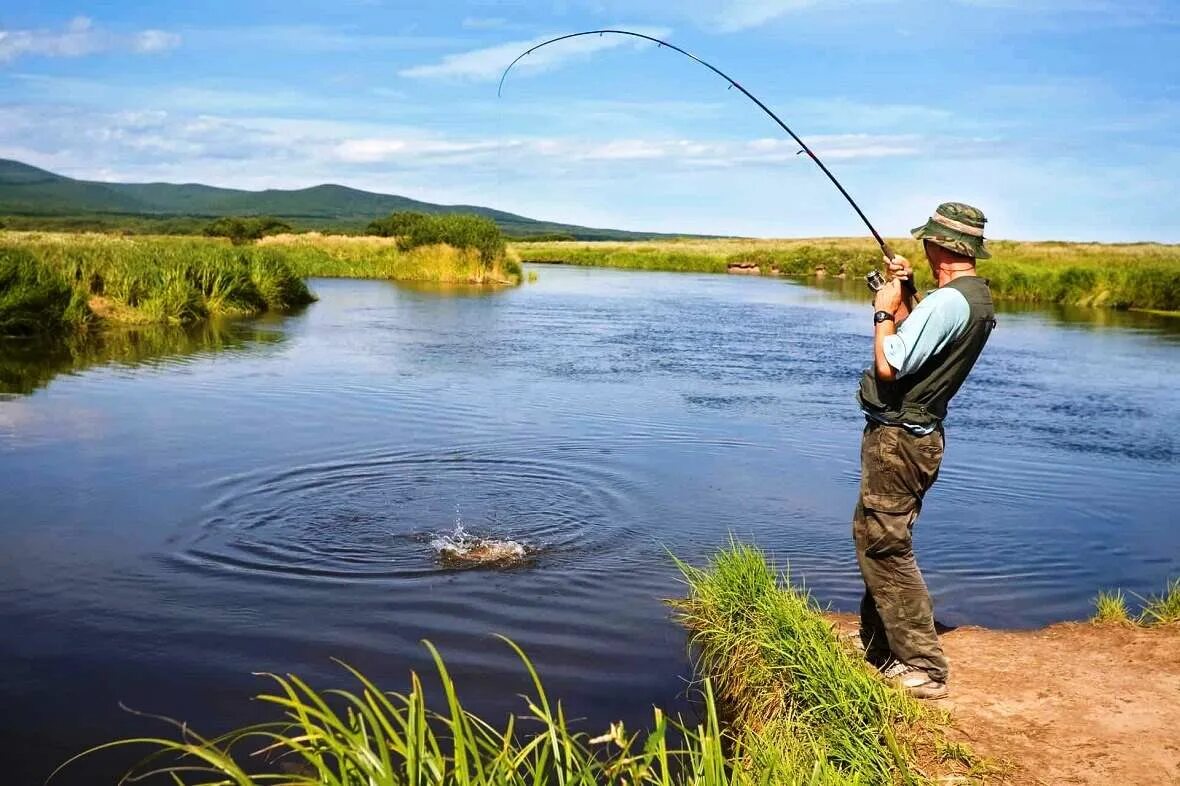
point(946, 276)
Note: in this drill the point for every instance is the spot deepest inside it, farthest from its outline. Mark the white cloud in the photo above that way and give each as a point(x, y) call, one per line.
point(488, 64)
point(149, 41)
point(78, 38)
point(744, 14)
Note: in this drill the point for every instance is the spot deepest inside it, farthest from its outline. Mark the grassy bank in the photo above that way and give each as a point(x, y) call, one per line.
point(343, 256)
point(57, 282)
point(793, 707)
point(781, 673)
point(1142, 276)
point(1162, 609)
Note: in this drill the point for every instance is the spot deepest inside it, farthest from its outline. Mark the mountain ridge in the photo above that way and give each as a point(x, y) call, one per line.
point(32, 192)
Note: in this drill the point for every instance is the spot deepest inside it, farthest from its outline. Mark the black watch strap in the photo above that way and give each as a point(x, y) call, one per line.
point(882, 316)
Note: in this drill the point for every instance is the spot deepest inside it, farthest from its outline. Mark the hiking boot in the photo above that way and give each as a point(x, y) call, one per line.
point(919, 685)
point(893, 668)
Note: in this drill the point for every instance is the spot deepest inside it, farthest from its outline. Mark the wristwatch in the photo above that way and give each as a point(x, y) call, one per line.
point(882, 316)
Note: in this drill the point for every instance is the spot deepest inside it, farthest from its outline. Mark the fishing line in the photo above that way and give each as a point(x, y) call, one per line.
point(804, 148)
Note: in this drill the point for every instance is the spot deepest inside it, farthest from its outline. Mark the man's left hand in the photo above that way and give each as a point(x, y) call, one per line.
point(888, 297)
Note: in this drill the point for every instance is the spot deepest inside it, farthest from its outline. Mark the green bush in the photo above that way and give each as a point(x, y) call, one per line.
point(242, 230)
point(460, 230)
point(395, 224)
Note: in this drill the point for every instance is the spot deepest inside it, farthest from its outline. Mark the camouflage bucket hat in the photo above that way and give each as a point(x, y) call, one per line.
point(956, 227)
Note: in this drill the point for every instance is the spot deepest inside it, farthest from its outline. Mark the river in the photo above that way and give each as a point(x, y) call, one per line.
point(180, 512)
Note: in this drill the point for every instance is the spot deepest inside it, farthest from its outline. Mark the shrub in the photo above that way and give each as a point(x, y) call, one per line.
point(241, 230)
point(460, 230)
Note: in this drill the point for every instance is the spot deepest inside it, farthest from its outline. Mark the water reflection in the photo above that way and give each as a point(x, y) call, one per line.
point(449, 288)
point(29, 364)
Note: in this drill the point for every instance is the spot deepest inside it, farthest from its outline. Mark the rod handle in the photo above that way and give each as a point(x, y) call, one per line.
point(908, 285)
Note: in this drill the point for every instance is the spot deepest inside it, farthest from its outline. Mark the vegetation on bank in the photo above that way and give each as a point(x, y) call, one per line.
point(55, 283)
point(783, 703)
point(338, 256)
point(415, 230)
point(1140, 275)
point(1162, 609)
point(782, 674)
point(137, 281)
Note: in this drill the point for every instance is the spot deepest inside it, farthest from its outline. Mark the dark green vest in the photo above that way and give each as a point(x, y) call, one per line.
point(920, 398)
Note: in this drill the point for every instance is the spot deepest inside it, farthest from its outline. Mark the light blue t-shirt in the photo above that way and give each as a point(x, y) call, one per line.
point(941, 317)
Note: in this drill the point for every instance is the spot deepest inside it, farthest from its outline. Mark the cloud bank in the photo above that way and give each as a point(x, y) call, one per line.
point(80, 37)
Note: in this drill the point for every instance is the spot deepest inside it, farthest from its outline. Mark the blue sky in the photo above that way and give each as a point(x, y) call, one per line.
point(1060, 118)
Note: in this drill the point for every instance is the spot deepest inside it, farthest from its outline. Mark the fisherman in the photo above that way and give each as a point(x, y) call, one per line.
point(922, 355)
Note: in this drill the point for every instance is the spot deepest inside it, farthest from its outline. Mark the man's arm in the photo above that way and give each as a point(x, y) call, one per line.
point(936, 321)
point(889, 299)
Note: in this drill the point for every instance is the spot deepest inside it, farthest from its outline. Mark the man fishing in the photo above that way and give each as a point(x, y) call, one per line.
point(921, 357)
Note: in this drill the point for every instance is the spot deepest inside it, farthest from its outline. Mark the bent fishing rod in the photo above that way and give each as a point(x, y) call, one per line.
point(804, 148)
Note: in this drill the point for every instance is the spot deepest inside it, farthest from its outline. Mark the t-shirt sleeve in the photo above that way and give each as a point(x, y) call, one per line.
point(938, 320)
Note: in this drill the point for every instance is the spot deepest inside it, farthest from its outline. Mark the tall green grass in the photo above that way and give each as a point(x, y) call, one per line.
point(154, 280)
point(340, 256)
point(780, 670)
point(782, 703)
point(367, 737)
point(1111, 607)
point(1139, 275)
point(34, 299)
point(55, 281)
point(1162, 609)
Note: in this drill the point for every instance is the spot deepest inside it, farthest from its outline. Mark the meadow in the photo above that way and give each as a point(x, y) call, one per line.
point(1142, 276)
point(58, 282)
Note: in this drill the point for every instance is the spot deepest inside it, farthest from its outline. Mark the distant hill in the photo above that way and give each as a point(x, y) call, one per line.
point(32, 193)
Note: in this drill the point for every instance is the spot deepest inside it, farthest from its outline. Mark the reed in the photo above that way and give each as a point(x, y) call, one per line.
point(54, 281)
point(344, 256)
point(1162, 609)
point(1111, 607)
point(366, 737)
point(1137, 275)
point(781, 671)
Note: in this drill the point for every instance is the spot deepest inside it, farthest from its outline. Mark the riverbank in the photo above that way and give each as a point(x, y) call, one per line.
point(784, 698)
point(60, 282)
point(1127, 276)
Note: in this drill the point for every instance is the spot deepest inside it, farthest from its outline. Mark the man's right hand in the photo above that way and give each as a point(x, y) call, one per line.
point(900, 267)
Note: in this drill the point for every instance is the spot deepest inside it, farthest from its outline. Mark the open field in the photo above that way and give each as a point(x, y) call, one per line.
point(54, 282)
point(1140, 276)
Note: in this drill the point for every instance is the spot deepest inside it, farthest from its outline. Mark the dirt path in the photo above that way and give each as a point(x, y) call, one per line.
point(1071, 704)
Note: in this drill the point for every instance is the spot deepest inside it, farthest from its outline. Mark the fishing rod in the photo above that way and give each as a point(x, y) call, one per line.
point(885, 249)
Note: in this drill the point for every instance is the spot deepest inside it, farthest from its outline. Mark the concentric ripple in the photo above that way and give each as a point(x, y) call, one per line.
point(374, 516)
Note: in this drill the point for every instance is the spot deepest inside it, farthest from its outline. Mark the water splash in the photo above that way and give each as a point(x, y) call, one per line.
point(461, 549)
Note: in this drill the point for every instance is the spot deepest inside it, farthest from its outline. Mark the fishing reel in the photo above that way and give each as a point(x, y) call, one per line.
point(875, 280)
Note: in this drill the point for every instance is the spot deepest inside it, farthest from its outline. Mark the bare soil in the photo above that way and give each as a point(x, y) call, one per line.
point(1074, 703)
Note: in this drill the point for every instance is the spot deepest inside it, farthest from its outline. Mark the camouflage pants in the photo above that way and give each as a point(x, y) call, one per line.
point(897, 468)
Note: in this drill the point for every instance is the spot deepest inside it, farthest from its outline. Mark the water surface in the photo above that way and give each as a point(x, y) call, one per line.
point(261, 496)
